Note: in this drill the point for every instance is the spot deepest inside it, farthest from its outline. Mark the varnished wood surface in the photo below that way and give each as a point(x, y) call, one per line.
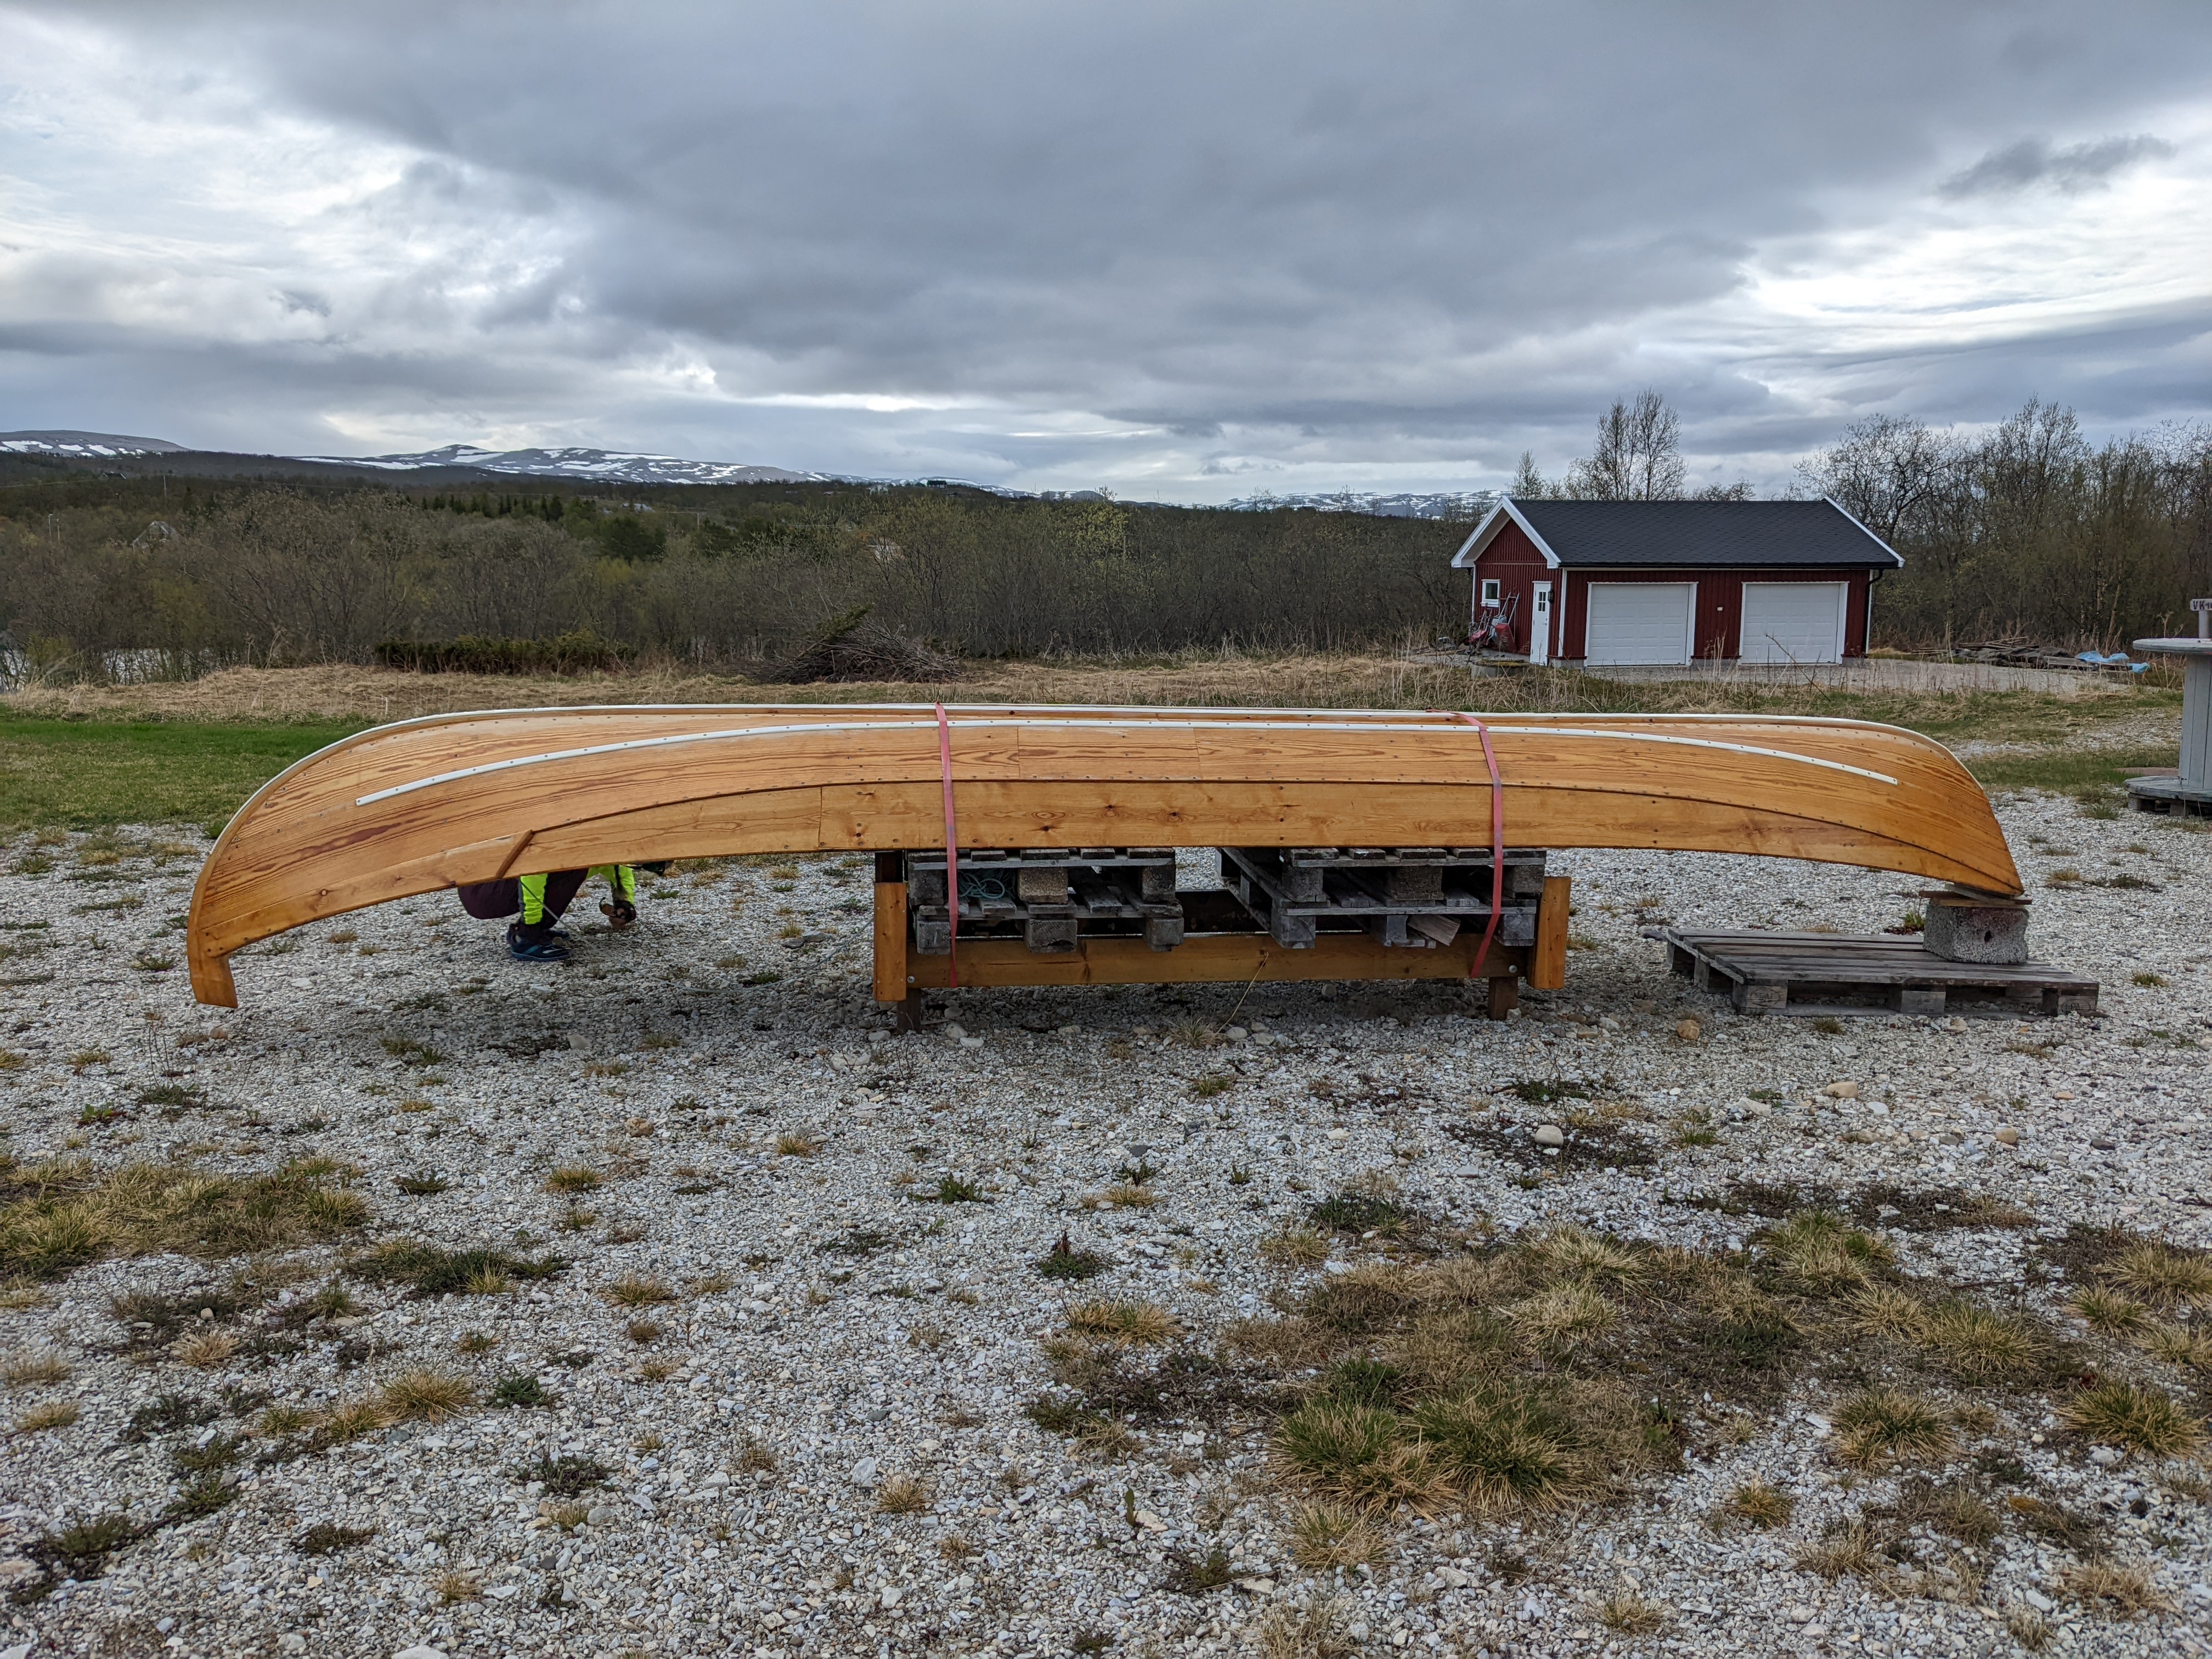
point(433, 803)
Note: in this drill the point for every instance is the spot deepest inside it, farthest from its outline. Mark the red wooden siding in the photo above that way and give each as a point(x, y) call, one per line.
point(1512, 559)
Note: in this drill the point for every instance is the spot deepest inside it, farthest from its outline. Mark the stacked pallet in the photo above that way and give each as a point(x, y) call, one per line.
point(1052, 896)
point(1408, 898)
point(1417, 898)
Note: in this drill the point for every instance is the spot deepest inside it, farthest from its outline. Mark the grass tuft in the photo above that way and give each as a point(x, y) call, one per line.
point(1626, 1611)
point(28, 1367)
point(427, 1271)
point(1065, 1262)
point(1847, 1549)
point(2160, 1274)
point(1325, 1535)
point(1192, 1574)
point(327, 1538)
point(1319, 1628)
point(205, 1350)
point(2122, 1413)
point(141, 1209)
point(1979, 1345)
point(1126, 1324)
point(903, 1494)
point(631, 1291)
point(1761, 1504)
point(520, 1391)
point(1295, 1247)
point(427, 1396)
point(2108, 1313)
point(2180, 1345)
point(1825, 1254)
point(1879, 1424)
point(53, 1414)
point(2111, 1587)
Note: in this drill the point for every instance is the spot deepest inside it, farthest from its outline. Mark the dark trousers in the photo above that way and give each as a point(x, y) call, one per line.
point(487, 901)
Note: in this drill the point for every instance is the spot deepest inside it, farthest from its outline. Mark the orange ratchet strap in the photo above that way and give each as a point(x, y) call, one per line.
point(952, 848)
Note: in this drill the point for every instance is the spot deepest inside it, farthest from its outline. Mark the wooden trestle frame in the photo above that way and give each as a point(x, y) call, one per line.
point(902, 974)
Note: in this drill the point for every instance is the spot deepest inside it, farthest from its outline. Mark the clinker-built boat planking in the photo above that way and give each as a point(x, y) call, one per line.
point(426, 804)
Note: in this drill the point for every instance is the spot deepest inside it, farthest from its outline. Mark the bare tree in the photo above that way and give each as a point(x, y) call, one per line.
point(1527, 483)
point(1638, 456)
point(1887, 473)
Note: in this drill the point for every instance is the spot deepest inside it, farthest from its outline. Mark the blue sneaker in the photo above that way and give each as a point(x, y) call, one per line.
point(534, 950)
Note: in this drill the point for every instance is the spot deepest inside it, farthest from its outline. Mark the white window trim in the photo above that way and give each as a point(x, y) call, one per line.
point(1493, 593)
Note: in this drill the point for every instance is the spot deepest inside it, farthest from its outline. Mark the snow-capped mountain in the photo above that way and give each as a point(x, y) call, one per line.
point(613, 467)
point(87, 445)
point(1470, 506)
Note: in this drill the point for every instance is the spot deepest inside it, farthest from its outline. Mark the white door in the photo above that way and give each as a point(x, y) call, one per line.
point(1539, 625)
point(1794, 622)
point(1641, 621)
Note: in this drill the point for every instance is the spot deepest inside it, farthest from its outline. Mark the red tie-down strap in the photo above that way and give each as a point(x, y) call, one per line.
point(1497, 843)
point(952, 848)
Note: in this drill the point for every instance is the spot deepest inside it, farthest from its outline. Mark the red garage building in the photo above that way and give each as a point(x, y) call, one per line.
point(1615, 582)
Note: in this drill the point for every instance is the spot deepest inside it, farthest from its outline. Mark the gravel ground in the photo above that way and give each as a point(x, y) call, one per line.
point(828, 1323)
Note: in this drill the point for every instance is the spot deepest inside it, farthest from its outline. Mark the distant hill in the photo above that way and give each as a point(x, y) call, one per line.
point(1469, 507)
point(610, 466)
point(85, 444)
point(454, 464)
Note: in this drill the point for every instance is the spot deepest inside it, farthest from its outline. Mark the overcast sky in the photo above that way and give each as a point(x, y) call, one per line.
point(1186, 250)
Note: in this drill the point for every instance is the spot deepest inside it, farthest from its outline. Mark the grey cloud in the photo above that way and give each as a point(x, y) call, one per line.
point(2072, 168)
point(1276, 235)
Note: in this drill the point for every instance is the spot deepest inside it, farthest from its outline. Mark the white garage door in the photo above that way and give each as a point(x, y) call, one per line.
point(1794, 622)
point(1640, 622)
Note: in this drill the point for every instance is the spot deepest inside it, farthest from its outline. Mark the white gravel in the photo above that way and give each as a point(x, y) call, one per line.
point(918, 1358)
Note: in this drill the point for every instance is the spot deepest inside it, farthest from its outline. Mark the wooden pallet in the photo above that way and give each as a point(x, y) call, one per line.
point(1773, 973)
point(1398, 894)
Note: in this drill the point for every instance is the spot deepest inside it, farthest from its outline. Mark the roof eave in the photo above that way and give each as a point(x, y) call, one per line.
point(1486, 532)
point(1896, 558)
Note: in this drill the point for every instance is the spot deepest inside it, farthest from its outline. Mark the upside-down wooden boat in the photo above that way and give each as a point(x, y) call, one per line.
point(456, 799)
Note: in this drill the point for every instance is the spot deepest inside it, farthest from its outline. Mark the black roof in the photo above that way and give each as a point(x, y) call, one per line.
point(1704, 534)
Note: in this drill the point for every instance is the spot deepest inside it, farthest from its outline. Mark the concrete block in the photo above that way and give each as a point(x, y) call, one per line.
point(1971, 929)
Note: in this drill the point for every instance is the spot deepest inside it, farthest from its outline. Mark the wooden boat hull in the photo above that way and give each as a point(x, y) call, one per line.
point(450, 799)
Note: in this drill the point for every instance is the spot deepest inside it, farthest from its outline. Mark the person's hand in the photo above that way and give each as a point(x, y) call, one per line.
point(619, 914)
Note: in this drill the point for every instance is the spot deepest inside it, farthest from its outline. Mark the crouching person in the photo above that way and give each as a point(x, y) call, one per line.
point(538, 902)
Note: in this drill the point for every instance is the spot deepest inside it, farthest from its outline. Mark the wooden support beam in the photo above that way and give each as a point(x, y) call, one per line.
point(1204, 958)
point(1547, 963)
point(891, 939)
point(1504, 995)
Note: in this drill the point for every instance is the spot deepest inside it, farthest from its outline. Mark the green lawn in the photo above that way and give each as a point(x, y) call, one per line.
point(80, 775)
point(83, 774)
point(2068, 771)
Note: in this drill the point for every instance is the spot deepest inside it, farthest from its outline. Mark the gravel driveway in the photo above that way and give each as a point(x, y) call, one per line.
point(739, 1131)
